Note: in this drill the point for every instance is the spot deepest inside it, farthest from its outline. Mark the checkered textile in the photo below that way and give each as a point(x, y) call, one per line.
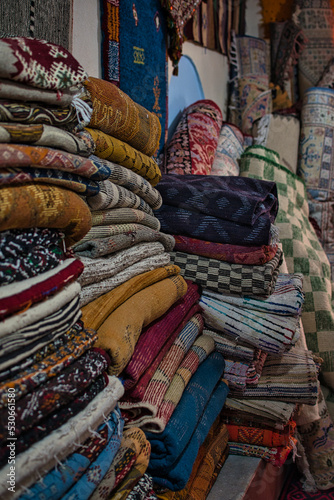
point(224, 277)
point(302, 251)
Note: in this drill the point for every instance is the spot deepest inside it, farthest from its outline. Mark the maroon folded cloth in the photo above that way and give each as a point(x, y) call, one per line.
point(20, 296)
point(154, 337)
point(235, 254)
point(55, 393)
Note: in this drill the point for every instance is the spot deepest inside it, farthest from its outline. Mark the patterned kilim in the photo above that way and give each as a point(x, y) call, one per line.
point(137, 413)
point(317, 169)
point(132, 443)
point(229, 149)
point(144, 489)
point(37, 134)
point(63, 441)
point(261, 436)
point(111, 195)
point(275, 455)
point(154, 337)
point(119, 333)
point(116, 114)
point(113, 149)
point(302, 251)
point(44, 205)
point(88, 460)
point(134, 54)
point(224, 277)
point(316, 19)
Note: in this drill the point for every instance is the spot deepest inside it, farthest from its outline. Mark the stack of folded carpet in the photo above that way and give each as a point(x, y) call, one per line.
point(54, 381)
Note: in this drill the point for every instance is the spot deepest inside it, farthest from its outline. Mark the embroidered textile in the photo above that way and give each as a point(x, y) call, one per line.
point(97, 311)
point(137, 413)
point(316, 19)
point(124, 216)
point(316, 169)
point(235, 254)
point(132, 181)
point(224, 277)
point(173, 452)
point(16, 297)
point(97, 270)
point(21, 155)
point(39, 134)
point(119, 333)
point(50, 367)
point(116, 114)
point(66, 478)
point(44, 205)
point(61, 442)
point(35, 113)
point(191, 149)
point(302, 251)
point(111, 195)
point(229, 149)
point(56, 419)
point(57, 391)
point(39, 63)
point(112, 149)
point(154, 337)
point(24, 254)
point(91, 292)
point(134, 54)
point(99, 247)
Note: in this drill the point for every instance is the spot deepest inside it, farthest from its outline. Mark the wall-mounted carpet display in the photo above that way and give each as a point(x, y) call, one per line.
point(45, 19)
point(134, 53)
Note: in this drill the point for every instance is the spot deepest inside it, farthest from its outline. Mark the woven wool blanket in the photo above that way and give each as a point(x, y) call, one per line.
point(39, 373)
point(235, 254)
point(202, 347)
point(56, 391)
point(97, 311)
point(224, 277)
point(107, 231)
point(39, 331)
point(192, 147)
point(116, 114)
point(175, 474)
point(132, 443)
point(124, 216)
point(269, 332)
point(261, 436)
point(24, 155)
point(43, 135)
point(302, 251)
point(273, 413)
point(43, 205)
point(231, 347)
point(119, 333)
point(35, 113)
point(16, 91)
point(287, 298)
point(229, 149)
point(120, 152)
point(79, 464)
point(276, 455)
point(17, 176)
point(20, 54)
point(184, 222)
point(136, 413)
point(45, 454)
point(96, 270)
point(132, 181)
point(111, 195)
point(98, 247)
point(57, 418)
point(94, 290)
point(225, 197)
point(39, 355)
point(153, 338)
point(24, 254)
point(17, 297)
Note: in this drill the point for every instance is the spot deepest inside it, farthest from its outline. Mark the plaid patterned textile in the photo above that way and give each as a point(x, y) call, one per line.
point(302, 251)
